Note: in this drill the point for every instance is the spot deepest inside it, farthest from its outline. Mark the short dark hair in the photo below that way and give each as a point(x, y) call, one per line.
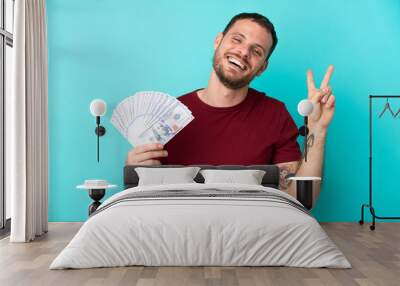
point(259, 19)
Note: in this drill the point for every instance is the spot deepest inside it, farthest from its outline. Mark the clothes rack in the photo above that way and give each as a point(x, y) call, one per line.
point(370, 205)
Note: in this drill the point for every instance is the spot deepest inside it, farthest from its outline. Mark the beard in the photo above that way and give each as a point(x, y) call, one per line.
point(230, 81)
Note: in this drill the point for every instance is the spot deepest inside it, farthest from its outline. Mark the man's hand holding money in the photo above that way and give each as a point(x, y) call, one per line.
point(147, 154)
point(148, 120)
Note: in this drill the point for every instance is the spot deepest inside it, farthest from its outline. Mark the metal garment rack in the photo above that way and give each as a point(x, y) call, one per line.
point(370, 206)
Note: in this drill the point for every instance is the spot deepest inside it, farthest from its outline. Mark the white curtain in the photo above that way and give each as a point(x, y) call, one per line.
point(26, 124)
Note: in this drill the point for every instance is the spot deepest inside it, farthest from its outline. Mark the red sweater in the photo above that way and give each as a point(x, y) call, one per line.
point(259, 130)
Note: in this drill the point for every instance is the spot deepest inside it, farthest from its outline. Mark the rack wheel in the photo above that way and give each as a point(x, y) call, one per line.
point(361, 222)
point(372, 227)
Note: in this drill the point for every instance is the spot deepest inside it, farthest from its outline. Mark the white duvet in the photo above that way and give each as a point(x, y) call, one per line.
point(183, 231)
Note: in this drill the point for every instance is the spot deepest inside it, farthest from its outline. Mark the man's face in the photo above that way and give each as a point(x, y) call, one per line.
point(241, 54)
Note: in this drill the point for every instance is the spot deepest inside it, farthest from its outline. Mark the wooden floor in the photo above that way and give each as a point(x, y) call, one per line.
point(375, 256)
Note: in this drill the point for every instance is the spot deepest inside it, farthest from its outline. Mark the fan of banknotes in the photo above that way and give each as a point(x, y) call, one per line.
point(149, 117)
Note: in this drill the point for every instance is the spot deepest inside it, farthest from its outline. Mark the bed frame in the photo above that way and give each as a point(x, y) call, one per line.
point(270, 179)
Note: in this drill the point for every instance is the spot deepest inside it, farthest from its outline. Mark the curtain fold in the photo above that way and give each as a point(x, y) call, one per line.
point(27, 148)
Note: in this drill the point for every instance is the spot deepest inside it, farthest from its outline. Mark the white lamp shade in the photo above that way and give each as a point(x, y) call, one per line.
point(98, 107)
point(305, 107)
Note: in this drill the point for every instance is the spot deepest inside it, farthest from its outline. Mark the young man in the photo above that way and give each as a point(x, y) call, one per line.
point(235, 124)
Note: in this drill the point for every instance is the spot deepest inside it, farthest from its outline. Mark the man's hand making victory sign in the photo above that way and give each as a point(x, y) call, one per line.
point(323, 101)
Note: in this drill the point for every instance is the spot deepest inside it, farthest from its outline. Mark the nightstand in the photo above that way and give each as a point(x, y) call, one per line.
point(97, 190)
point(304, 190)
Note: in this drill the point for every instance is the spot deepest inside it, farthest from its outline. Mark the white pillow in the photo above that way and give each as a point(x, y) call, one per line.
point(163, 176)
point(249, 177)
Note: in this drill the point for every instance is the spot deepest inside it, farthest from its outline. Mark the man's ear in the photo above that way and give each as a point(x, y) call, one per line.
point(218, 40)
point(263, 68)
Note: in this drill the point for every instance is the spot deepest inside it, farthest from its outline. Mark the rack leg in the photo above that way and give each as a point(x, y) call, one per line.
point(361, 221)
point(372, 227)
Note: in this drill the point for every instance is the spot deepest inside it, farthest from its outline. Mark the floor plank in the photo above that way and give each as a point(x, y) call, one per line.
point(375, 257)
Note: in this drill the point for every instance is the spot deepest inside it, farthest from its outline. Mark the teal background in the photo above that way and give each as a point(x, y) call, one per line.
point(111, 49)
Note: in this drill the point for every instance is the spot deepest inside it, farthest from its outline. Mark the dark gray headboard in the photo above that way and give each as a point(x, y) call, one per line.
point(270, 179)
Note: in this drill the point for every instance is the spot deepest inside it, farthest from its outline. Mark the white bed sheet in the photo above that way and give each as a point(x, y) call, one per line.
point(200, 231)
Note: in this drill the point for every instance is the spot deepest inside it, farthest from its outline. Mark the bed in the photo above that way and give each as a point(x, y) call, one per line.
point(201, 224)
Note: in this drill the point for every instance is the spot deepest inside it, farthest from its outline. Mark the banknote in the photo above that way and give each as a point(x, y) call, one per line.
point(150, 116)
point(166, 127)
